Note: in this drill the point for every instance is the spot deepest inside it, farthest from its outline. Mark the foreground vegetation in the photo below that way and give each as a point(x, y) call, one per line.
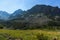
point(29, 34)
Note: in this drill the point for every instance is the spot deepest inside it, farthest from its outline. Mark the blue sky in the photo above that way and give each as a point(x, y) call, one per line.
point(11, 5)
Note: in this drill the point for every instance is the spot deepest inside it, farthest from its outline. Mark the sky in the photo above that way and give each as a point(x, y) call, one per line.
point(11, 5)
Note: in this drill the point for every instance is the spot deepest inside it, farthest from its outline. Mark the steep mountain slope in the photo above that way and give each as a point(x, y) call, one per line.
point(4, 15)
point(46, 9)
point(16, 14)
point(37, 10)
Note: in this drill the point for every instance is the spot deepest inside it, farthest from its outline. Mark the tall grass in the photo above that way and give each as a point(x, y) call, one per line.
point(31, 34)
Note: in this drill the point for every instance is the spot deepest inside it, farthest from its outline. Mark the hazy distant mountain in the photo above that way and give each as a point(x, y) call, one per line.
point(16, 14)
point(4, 15)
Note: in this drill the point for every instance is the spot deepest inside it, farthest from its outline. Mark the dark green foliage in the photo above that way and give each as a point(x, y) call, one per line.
point(1, 26)
point(42, 37)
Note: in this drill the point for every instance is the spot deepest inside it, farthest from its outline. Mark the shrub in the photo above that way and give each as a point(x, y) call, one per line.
point(42, 37)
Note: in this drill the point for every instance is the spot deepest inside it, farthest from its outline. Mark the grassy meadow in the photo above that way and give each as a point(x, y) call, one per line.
point(28, 34)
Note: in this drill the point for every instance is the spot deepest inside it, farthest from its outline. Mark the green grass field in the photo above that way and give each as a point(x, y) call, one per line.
point(28, 34)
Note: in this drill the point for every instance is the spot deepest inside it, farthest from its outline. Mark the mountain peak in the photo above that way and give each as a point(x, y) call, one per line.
point(45, 6)
point(4, 15)
point(40, 5)
point(18, 11)
point(46, 9)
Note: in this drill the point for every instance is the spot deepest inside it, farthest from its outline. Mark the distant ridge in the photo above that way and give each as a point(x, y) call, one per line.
point(45, 9)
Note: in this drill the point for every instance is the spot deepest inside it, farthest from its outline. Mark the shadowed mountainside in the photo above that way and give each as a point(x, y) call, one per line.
point(39, 16)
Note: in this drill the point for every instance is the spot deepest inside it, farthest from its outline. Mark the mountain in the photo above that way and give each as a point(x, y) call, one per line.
point(16, 14)
point(4, 15)
point(35, 17)
point(38, 16)
point(46, 9)
point(37, 10)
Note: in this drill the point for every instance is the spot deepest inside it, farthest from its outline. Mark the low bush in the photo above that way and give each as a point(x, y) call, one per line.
point(42, 37)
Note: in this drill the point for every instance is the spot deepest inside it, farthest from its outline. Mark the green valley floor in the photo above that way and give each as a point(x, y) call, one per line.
point(29, 35)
